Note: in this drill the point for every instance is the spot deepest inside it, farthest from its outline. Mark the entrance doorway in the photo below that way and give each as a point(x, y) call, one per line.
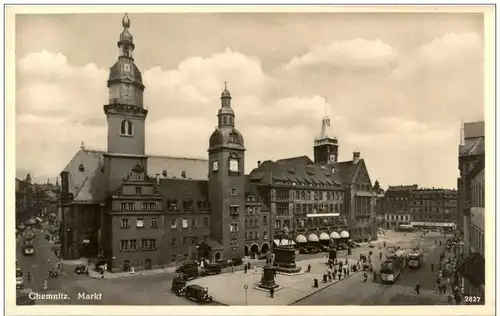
point(217, 256)
point(126, 265)
point(264, 248)
point(246, 251)
point(147, 264)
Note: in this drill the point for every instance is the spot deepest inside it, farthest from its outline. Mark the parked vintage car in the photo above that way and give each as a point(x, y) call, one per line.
point(53, 273)
point(236, 261)
point(211, 269)
point(197, 293)
point(189, 269)
point(309, 249)
point(80, 269)
point(178, 284)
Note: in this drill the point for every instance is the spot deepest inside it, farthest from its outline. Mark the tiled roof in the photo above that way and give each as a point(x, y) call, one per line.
point(474, 130)
point(196, 169)
point(270, 171)
point(472, 146)
point(183, 189)
point(87, 184)
point(347, 170)
point(300, 160)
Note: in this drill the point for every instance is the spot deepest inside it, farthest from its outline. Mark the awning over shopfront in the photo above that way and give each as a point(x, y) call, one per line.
point(284, 242)
point(324, 236)
point(344, 234)
point(472, 268)
point(432, 224)
point(312, 237)
point(301, 239)
point(335, 235)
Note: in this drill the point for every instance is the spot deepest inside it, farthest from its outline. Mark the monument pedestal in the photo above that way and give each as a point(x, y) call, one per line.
point(285, 260)
point(267, 282)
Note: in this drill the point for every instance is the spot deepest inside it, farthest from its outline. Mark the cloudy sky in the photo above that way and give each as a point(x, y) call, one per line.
point(395, 85)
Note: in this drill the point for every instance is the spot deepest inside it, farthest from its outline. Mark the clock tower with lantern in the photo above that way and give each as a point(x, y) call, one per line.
point(326, 146)
point(125, 113)
point(226, 178)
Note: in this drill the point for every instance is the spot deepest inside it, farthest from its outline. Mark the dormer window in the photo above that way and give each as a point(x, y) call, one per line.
point(81, 167)
point(183, 174)
point(126, 128)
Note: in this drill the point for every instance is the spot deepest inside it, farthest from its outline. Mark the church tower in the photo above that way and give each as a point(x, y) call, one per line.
point(226, 178)
point(125, 112)
point(326, 147)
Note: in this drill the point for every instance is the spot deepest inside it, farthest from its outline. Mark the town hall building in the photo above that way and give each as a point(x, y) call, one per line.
point(137, 210)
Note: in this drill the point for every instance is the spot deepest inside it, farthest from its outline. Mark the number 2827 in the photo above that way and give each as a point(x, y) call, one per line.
point(472, 299)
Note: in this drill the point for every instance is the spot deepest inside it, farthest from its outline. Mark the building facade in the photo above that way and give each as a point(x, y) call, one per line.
point(437, 206)
point(258, 229)
point(396, 205)
point(471, 189)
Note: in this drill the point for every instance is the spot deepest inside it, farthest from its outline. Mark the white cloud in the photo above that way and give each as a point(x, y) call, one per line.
point(350, 55)
point(453, 48)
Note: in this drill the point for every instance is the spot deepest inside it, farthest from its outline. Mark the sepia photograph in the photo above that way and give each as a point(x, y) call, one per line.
point(252, 156)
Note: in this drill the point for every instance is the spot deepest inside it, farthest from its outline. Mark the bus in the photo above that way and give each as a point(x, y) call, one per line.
point(416, 258)
point(392, 267)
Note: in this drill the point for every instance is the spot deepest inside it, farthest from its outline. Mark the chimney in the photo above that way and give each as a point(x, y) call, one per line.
point(355, 157)
point(258, 164)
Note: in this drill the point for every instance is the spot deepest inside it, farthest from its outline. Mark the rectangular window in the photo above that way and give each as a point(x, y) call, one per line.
point(152, 206)
point(154, 223)
point(184, 241)
point(256, 235)
point(173, 223)
point(174, 257)
point(125, 223)
point(277, 224)
point(193, 256)
point(140, 223)
point(251, 235)
point(184, 223)
point(145, 206)
point(264, 220)
point(172, 206)
point(264, 234)
point(246, 235)
point(194, 240)
point(124, 245)
point(133, 244)
point(234, 191)
point(193, 222)
point(123, 206)
point(188, 205)
point(174, 242)
point(184, 256)
point(138, 190)
point(148, 244)
point(205, 221)
point(131, 206)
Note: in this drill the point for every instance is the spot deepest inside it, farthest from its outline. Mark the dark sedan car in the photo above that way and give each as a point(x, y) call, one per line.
point(53, 273)
point(80, 269)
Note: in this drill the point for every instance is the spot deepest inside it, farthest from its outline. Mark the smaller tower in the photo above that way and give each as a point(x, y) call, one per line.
point(325, 145)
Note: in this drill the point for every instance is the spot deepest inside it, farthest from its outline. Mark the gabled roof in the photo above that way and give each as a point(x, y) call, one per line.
point(472, 146)
point(89, 184)
point(300, 160)
point(272, 172)
point(194, 168)
point(347, 170)
point(86, 178)
point(183, 190)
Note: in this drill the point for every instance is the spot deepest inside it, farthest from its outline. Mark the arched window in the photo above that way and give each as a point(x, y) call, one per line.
point(126, 128)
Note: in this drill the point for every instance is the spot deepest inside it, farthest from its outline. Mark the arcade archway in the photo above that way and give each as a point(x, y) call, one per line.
point(264, 248)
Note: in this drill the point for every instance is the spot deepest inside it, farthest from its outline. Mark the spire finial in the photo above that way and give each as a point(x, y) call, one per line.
point(225, 85)
point(326, 107)
point(82, 145)
point(126, 21)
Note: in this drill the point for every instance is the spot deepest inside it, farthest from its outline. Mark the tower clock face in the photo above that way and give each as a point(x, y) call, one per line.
point(126, 91)
point(233, 165)
point(332, 158)
point(126, 68)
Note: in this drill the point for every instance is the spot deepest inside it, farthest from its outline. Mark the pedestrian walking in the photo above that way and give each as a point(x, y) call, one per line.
point(365, 277)
point(232, 268)
point(432, 267)
point(246, 269)
point(271, 293)
point(340, 276)
point(417, 288)
point(380, 256)
point(309, 268)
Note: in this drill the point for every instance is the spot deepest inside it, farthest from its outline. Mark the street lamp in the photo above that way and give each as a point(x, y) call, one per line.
point(246, 294)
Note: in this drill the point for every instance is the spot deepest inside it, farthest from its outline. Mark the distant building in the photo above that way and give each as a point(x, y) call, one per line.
point(471, 189)
point(321, 199)
point(396, 205)
point(24, 199)
point(434, 207)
